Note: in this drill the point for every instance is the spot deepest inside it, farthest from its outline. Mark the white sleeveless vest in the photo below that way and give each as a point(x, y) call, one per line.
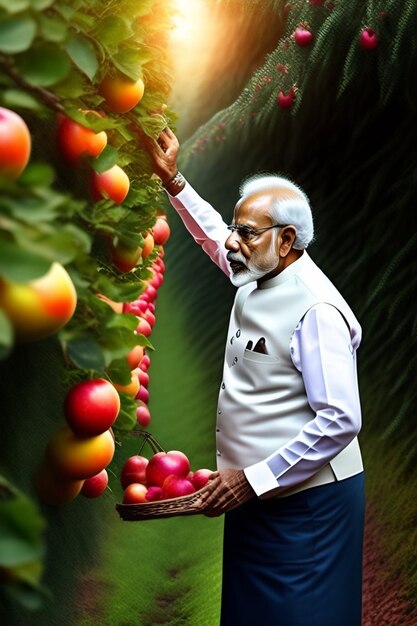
point(262, 399)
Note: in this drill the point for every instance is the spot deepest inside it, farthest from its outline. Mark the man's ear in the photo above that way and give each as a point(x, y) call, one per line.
point(288, 235)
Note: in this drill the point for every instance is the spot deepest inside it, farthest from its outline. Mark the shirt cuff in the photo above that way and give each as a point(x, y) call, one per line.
point(260, 478)
point(187, 196)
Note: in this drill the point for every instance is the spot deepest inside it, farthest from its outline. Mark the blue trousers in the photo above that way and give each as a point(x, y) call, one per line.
point(296, 560)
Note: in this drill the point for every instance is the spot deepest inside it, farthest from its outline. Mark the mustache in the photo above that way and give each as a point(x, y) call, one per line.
point(235, 257)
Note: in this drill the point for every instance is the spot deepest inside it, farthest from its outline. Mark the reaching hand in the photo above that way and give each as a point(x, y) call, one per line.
point(224, 491)
point(163, 152)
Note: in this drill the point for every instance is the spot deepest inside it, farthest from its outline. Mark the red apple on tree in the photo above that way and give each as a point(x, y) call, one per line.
point(112, 184)
point(143, 415)
point(121, 93)
point(76, 458)
point(91, 407)
point(15, 144)
point(124, 257)
point(95, 486)
point(76, 140)
point(161, 231)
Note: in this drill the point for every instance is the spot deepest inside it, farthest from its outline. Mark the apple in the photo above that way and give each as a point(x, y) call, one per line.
point(135, 493)
point(154, 493)
point(15, 144)
point(148, 245)
point(125, 258)
point(200, 477)
point(91, 407)
point(143, 377)
point(143, 415)
point(145, 362)
point(121, 93)
point(161, 231)
point(131, 388)
point(162, 464)
point(143, 395)
point(149, 294)
point(143, 328)
point(135, 308)
point(52, 489)
point(39, 308)
point(76, 140)
point(112, 184)
point(149, 317)
point(95, 486)
point(134, 356)
point(176, 486)
point(134, 470)
point(77, 458)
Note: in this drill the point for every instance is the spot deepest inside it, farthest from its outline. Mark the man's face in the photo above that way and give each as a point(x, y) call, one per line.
point(254, 258)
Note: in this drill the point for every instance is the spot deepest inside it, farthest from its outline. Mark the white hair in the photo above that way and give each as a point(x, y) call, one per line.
point(293, 209)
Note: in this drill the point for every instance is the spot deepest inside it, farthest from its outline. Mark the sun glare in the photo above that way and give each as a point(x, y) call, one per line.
point(187, 20)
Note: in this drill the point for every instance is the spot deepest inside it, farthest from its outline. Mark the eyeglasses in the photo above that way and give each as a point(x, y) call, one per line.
point(247, 233)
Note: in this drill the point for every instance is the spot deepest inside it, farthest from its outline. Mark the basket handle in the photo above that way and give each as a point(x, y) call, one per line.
point(147, 438)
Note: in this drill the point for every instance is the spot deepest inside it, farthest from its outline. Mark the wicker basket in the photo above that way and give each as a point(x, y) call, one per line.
point(185, 505)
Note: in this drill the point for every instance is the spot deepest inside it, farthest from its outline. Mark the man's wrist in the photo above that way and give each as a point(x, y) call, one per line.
point(175, 184)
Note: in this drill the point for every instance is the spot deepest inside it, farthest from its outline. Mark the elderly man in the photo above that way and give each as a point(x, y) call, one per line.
point(290, 474)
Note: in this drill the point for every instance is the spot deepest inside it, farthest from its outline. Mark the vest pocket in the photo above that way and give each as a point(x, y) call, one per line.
point(259, 357)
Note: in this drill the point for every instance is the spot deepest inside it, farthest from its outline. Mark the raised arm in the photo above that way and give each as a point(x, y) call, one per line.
point(203, 222)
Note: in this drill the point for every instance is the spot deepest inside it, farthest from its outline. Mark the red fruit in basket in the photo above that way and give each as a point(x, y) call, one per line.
point(134, 470)
point(154, 493)
point(200, 477)
point(176, 486)
point(135, 493)
point(162, 464)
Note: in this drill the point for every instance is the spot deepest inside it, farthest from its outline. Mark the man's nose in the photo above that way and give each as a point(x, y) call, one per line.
point(232, 242)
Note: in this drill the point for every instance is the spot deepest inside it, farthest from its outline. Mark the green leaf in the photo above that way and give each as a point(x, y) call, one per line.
point(15, 6)
point(19, 99)
point(37, 174)
point(40, 5)
point(82, 53)
point(20, 531)
point(19, 265)
point(112, 30)
point(6, 336)
point(44, 65)
point(152, 124)
point(17, 34)
point(130, 60)
point(105, 160)
point(52, 28)
point(126, 420)
point(85, 353)
point(120, 372)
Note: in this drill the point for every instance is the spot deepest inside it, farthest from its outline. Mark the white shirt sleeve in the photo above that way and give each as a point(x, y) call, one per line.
point(204, 223)
point(322, 350)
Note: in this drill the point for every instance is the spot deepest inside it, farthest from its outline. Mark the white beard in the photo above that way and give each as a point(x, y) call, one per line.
point(252, 271)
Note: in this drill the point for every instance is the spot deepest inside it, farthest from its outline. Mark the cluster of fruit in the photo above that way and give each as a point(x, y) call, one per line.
point(165, 475)
point(50, 299)
point(77, 454)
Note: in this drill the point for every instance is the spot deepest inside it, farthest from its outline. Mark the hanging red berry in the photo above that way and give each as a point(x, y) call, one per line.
point(303, 37)
point(316, 3)
point(286, 100)
point(368, 39)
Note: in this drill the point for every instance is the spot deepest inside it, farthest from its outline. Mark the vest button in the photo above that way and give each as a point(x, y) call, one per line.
point(219, 453)
point(219, 412)
point(238, 333)
point(223, 386)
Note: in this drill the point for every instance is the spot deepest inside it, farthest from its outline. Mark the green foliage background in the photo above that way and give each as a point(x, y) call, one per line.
point(349, 141)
